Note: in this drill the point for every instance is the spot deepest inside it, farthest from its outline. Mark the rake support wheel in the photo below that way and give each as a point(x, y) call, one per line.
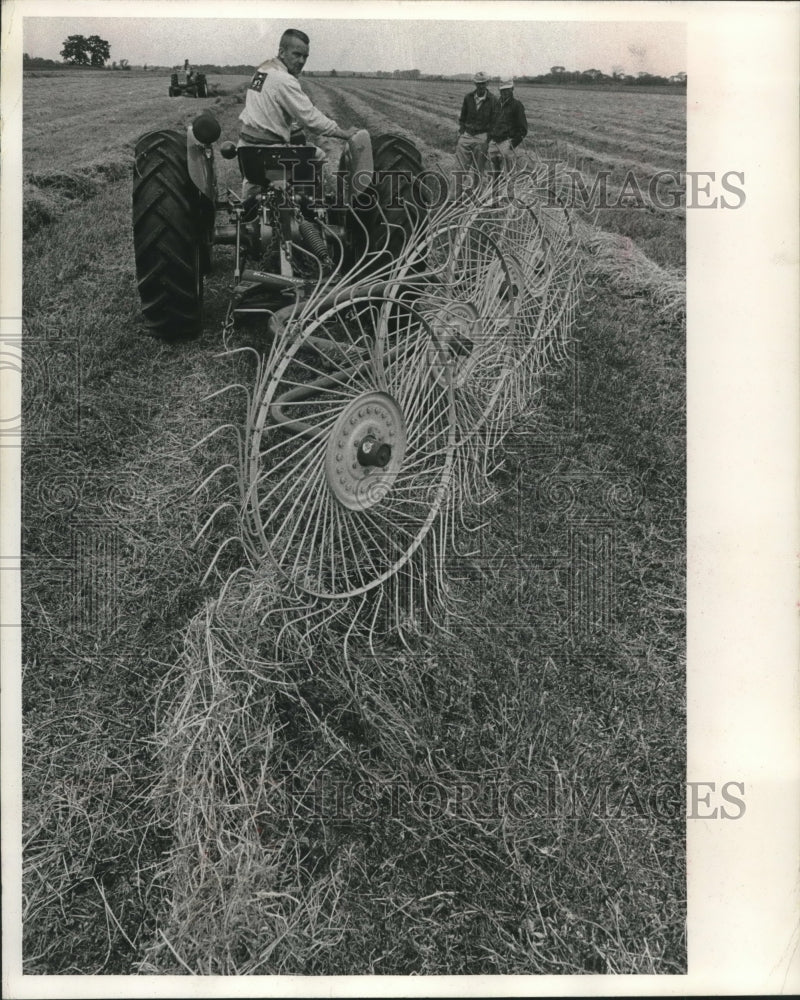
point(169, 237)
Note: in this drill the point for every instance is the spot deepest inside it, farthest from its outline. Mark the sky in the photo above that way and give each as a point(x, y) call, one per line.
point(442, 38)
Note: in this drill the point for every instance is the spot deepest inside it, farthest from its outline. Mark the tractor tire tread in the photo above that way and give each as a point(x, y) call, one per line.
point(167, 237)
point(389, 229)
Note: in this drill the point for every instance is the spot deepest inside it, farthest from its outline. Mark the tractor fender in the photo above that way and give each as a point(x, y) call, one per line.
point(200, 156)
point(357, 162)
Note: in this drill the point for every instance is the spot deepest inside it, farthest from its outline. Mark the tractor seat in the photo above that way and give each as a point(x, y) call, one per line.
point(264, 165)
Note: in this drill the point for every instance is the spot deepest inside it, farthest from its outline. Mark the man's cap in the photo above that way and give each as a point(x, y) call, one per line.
point(480, 78)
point(506, 84)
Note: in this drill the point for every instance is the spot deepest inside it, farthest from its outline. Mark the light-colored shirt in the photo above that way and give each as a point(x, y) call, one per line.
point(275, 99)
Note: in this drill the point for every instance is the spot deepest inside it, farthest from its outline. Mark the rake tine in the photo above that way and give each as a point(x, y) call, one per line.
point(210, 519)
point(209, 477)
point(231, 538)
point(211, 434)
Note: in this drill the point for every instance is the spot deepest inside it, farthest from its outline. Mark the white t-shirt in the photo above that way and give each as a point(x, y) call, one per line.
point(275, 99)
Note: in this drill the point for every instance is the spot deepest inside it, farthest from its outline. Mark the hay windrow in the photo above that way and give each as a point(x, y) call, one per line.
point(242, 899)
point(617, 260)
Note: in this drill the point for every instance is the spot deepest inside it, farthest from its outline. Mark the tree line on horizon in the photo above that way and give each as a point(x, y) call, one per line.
point(93, 53)
point(557, 74)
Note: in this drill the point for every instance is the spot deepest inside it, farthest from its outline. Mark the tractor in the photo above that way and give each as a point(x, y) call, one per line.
point(187, 83)
point(286, 236)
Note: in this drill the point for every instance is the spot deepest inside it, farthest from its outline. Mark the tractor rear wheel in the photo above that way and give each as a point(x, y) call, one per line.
point(397, 166)
point(168, 237)
point(392, 206)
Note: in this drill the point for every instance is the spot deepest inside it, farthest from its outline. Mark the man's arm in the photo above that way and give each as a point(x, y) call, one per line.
point(494, 110)
point(463, 117)
point(299, 106)
point(520, 125)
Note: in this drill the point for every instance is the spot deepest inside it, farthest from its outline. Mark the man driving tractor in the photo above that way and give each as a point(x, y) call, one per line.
point(275, 101)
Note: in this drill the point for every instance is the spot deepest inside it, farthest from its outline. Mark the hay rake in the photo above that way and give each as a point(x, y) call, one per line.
point(405, 339)
point(375, 418)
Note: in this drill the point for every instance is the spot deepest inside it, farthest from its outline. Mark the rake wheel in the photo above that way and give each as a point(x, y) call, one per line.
point(470, 306)
point(517, 230)
point(535, 236)
point(351, 449)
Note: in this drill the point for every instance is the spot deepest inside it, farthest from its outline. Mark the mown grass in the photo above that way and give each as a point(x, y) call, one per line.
point(163, 730)
point(111, 419)
point(108, 111)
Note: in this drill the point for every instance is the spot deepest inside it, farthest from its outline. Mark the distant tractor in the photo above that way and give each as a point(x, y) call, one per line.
point(187, 83)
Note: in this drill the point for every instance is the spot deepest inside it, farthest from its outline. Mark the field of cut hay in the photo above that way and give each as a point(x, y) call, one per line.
point(80, 128)
point(204, 796)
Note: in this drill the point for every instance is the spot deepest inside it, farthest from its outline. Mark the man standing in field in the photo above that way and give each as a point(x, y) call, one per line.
point(478, 111)
point(275, 100)
point(508, 130)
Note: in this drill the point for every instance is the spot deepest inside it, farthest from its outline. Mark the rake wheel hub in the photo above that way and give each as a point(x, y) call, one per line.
point(371, 452)
point(365, 450)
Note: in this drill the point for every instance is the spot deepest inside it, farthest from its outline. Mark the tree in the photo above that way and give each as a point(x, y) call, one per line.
point(99, 50)
point(76, 50)
point(557, 70)
point(82, 51)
